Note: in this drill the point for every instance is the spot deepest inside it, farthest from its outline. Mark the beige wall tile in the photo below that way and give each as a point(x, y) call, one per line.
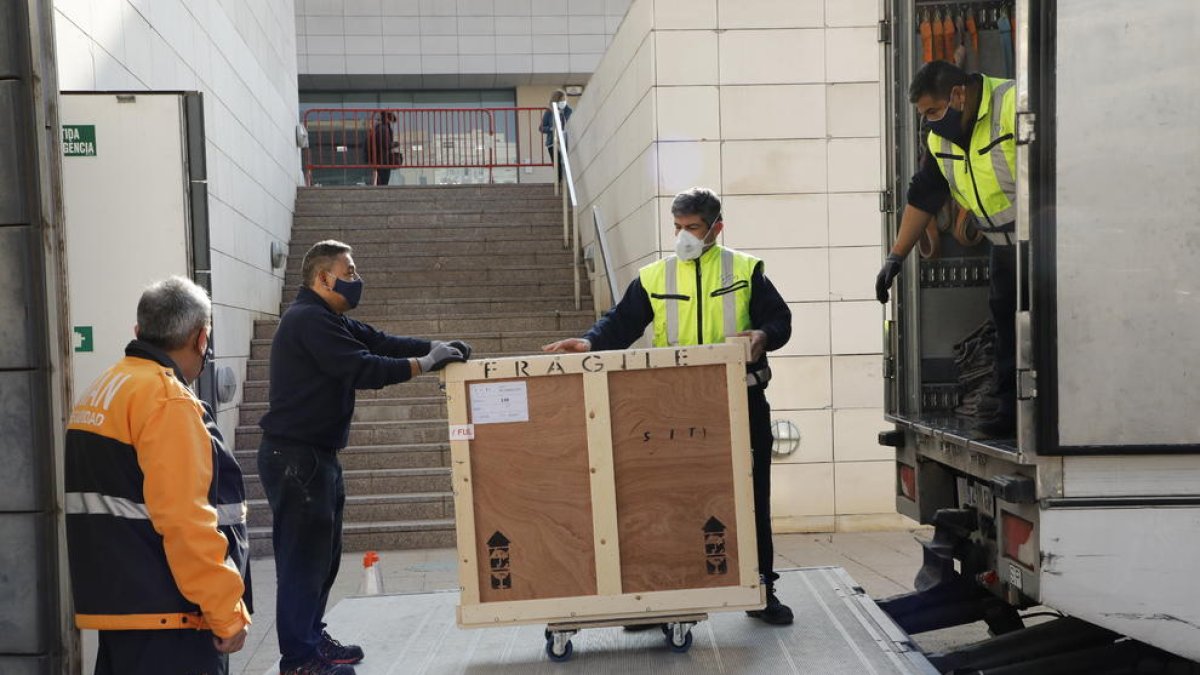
point(856, 327)
point(688, 113)
point(635, 237)
point(775, 221)
point(816, 434)
point(854, 109)
point(800, 383)
point(677, 14)
point(799, 490)
point(854, 219)
point(852, 272)
point(852, 55)
point(771, 13)
point(857, 382)
point(773, 111)
point(774, 167)
point(810, 329)
point(864, 487)
point(687, 164)
point(855, 436)
point(773, 56)
point(854, 165)
point(840, 13)
point(800, 274)
point(686, 57)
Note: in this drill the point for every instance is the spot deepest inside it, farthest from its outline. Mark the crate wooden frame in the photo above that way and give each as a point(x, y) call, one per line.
point(610, 603)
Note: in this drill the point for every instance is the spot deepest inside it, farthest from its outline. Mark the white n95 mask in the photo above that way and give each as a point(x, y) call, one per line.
point(687, 246)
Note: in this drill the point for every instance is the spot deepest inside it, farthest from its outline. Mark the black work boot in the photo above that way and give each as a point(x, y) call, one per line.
point(775, 613)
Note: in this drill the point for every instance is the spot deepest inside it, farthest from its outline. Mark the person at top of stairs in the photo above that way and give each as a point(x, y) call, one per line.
point(319, 357)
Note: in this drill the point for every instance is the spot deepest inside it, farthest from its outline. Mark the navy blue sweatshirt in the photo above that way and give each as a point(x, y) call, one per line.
point(622, 325)
point(318, 359)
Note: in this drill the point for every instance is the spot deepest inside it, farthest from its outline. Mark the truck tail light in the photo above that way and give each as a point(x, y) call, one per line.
point(1018, 540)
point(907, 481)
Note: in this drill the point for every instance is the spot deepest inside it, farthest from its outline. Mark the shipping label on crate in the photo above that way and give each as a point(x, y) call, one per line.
point(499, 402)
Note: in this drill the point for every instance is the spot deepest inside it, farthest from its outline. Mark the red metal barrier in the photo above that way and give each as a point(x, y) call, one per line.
point(423, 138)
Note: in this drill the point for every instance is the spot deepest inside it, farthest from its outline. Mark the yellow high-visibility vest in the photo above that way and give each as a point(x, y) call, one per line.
point(981, 176)
point(700, 301)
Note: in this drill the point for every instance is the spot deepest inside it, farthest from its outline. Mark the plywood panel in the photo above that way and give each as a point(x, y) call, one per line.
point(532, 498)
point(674, 479)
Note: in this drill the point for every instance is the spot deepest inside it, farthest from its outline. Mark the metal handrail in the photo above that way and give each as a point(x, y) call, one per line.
point(570, 202)
point(602, 245)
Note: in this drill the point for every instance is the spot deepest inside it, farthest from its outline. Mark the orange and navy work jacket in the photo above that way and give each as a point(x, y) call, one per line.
point(155, 504)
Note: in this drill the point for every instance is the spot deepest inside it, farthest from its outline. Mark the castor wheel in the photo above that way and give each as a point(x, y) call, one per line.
point(554, 652)
point(679, 637)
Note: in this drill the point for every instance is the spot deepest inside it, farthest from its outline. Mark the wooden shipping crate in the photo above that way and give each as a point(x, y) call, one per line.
point(603, 486)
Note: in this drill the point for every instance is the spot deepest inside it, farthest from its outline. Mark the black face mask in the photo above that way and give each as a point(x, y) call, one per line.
point(949, 127)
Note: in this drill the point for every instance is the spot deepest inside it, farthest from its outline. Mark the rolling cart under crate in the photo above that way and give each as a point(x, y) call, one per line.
point(602, 489)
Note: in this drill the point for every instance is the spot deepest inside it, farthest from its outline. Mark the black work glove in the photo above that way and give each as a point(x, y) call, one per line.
point(462, 347)
point(440, 353)
point(889, 271)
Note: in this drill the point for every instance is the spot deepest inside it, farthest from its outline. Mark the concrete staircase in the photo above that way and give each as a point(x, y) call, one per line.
point(482, 263)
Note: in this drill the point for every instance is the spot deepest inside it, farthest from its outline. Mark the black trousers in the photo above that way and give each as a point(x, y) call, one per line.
point(307, 495)
point(159, 652)
point(761, 442)
point(1002, 299)
point(383, 176)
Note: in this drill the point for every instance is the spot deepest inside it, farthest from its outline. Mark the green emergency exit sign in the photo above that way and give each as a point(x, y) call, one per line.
point(83, 338)
point(79, 140)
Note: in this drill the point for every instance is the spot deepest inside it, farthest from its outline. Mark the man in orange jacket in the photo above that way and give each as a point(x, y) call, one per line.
point(155, 504)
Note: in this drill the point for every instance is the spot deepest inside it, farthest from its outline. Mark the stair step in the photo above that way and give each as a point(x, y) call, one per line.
point(425, 317)
point(366, 457)
point(376, 508)
point(492, 290)
point(550, 245)
point(515, 343)
point(377, 257)
point(404, 277)
point(377, 481)
point(374, 410)
point(377, 536)
point(411, 192)
point(423, 386)
point(309, 231)
point(368, 433)
point(400, 324)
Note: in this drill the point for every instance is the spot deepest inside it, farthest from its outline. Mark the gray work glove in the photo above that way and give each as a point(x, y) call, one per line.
point(889, 271)
point(462, 347)
point(440, 353)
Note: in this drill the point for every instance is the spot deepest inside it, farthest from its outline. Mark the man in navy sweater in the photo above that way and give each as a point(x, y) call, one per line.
point(319, 357)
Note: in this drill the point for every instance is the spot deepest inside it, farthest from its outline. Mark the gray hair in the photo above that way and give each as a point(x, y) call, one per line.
point(321, 257)
point(171, 310)
point(698, 201)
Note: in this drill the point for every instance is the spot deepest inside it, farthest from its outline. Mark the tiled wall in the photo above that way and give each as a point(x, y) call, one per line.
point(776, 104)
point(242, 55)
point(468, 43)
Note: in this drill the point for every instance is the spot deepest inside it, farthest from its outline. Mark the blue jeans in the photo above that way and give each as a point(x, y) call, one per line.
point(307, 495)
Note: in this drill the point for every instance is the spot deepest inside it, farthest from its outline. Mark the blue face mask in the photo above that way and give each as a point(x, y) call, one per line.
point(350, 290)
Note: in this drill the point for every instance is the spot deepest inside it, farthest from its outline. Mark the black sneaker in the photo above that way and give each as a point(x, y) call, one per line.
point(319, 666)
point(335, 652)
point(775, 613)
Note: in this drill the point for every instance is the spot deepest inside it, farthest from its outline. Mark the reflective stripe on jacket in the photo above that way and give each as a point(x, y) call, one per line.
point(155, 505)
point(981, 176)
point(700, 301)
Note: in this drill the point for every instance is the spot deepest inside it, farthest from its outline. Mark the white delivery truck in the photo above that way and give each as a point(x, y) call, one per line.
point(1093, 509)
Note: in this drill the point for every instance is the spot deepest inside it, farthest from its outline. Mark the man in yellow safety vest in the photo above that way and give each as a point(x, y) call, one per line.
point(702, 295)
point(970, 121)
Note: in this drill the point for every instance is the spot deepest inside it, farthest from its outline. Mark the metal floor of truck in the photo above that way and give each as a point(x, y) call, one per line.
point(838, 630)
